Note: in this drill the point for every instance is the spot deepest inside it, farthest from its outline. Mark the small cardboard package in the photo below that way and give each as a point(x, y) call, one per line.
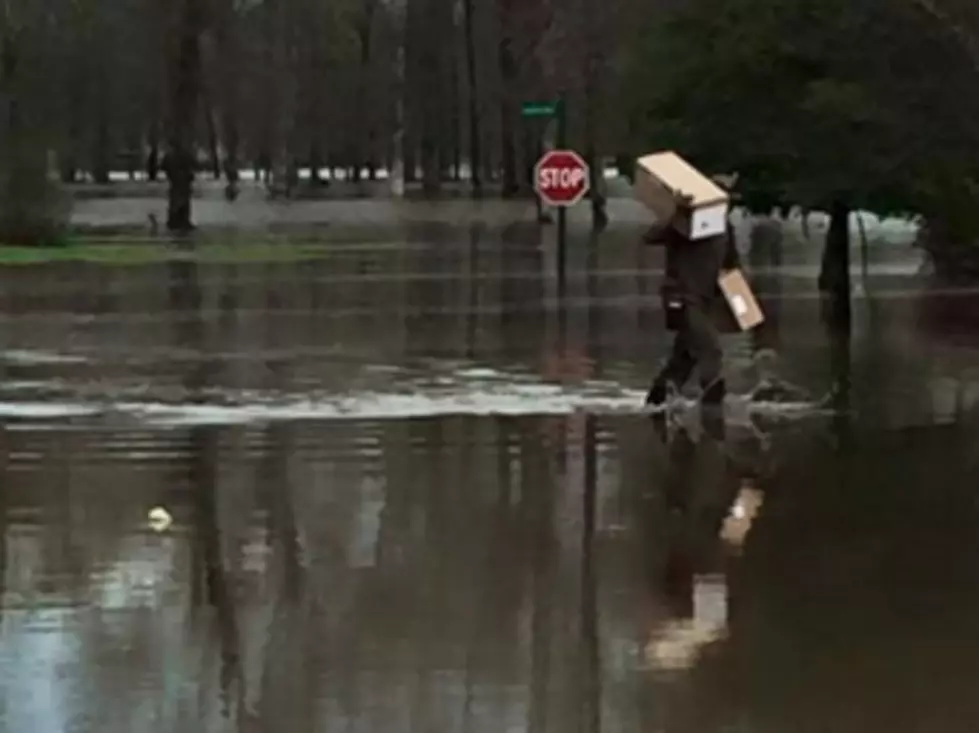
point(740, 299)
point(661, 177)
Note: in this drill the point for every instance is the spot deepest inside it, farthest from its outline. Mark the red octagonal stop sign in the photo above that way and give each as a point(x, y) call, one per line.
point(561, 178)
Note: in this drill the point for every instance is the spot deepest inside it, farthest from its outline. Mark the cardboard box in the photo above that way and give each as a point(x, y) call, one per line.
point(740, 299)
point(661, 177)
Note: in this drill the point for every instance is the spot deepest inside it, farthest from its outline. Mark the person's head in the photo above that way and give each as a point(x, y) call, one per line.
point(728, 183)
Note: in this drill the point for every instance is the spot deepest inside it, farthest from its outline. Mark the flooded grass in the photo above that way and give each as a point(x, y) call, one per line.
point(150, 252)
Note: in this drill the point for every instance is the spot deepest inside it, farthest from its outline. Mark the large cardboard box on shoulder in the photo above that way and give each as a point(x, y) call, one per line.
point(661, 177)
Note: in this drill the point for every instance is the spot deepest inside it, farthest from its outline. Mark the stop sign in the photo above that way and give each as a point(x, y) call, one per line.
point(561, 178)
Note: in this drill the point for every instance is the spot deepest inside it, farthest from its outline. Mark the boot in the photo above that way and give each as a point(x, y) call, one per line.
point(657, 393)
point(714, 393)
point(712, 422)
point(660, 428)
point(662, 388)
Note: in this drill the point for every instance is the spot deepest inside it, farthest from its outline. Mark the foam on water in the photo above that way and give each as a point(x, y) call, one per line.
point(27, 357)
point(511, 400)
point(47, 410)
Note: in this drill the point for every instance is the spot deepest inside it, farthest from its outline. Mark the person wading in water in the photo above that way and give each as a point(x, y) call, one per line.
point(690, 296)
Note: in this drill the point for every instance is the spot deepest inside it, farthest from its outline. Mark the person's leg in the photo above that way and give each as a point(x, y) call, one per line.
point(676, 371)
point(705, 346)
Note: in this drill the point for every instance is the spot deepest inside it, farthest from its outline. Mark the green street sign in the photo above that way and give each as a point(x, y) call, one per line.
point(538, 109)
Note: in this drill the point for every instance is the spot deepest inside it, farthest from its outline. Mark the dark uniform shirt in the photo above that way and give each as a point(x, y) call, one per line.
point(692, 265)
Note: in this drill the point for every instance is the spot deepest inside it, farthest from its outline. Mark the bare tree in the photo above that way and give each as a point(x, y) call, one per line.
point(475, 142)
point(229, 63)
point(364, 135)
point(508, 75)
point(185, 81)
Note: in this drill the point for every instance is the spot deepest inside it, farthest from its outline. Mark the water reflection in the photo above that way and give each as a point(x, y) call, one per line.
point(700, 600)
point(537, 573)
point(367, 576)
point(766, 242)
point(468, 573)
point(394, 317)
point(855, 596)
point(709, 503)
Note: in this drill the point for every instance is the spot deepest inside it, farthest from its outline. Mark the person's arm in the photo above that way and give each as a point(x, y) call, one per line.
point(659, 234)
point(732, 260)
point(662, 232)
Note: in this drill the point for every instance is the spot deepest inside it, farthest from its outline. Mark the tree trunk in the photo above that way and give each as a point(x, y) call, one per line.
point(834, 277)
point(591, 64)
point(100, 144)
point(599, 217)
point(228, 53)
point(286, 135)
point(101, 154)
point(133, 152)
point(212, 140)
point(431, 31)
point(211, 103)
point(397, 165)
point(765, 253)
point(231, 159)
point(456, 165)
point(409, 98)
point(266, 156)
point(364, 134)
point(153, 156)
point(508, 73)
point(410, 159)
point(475, 154)
point(596, 173)
point(531, 146)
point(185, 81)
point(69, 158)
point(625, 166)
point(315, 163)
point(430, 128)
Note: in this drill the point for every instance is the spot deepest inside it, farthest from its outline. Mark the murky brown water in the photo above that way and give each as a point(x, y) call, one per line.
point(414, 564)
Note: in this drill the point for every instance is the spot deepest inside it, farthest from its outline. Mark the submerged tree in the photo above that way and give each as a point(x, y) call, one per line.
point(185, 91)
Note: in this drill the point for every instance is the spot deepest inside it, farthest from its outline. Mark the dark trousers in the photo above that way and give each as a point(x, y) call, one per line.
point(697, 345)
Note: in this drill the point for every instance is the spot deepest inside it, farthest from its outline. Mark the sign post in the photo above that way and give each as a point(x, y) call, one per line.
point(561, 179)
point(546, 111)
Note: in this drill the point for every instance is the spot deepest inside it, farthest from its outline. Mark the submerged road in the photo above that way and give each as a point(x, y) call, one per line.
point(418, 504)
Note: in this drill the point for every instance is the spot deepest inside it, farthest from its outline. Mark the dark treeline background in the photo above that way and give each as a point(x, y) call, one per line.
point(828, 104)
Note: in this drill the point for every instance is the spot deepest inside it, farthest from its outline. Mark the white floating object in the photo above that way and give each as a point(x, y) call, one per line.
point(159, 519)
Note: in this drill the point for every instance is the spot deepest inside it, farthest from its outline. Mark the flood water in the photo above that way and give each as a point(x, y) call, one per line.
point(404, 489)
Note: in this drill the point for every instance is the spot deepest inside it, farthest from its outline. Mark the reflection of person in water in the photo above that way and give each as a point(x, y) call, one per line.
point(710, 504)
point(699, 491)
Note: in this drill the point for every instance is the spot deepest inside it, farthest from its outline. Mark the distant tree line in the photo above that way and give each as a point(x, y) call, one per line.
point(428, 87)
point(830, 104)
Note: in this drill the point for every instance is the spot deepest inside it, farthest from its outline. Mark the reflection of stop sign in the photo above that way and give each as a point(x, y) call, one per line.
point(561, 178)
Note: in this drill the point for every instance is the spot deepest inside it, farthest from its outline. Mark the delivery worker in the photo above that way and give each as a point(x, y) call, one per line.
point(690, 299)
